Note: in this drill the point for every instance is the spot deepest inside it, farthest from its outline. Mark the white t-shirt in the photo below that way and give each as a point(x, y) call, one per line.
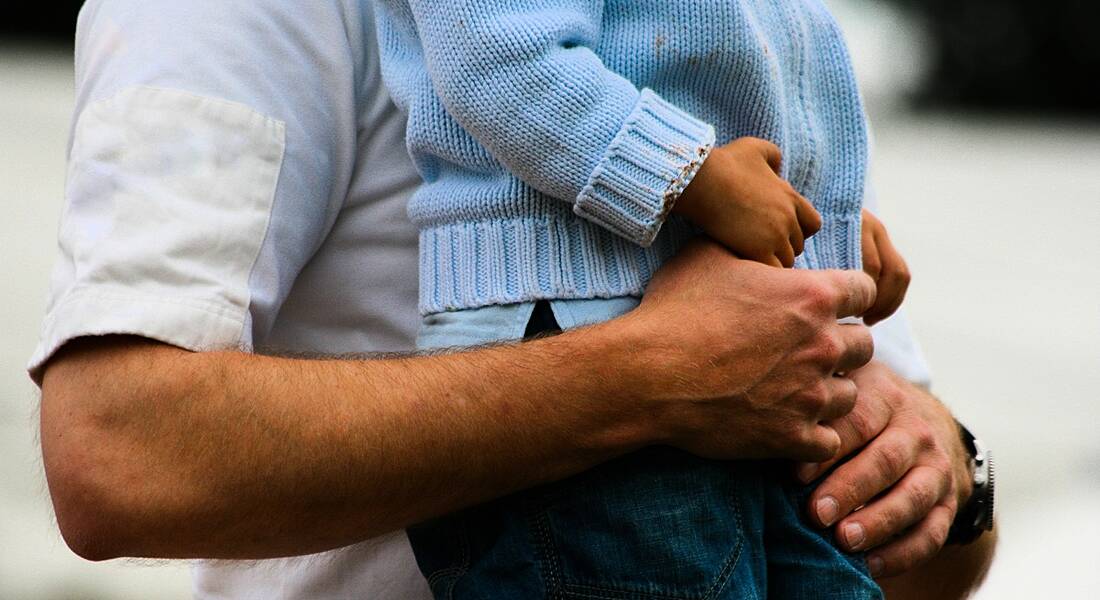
point(237, 178)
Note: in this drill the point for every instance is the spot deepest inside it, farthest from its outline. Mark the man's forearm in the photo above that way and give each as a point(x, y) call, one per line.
point(231, 455)
point(153, 451)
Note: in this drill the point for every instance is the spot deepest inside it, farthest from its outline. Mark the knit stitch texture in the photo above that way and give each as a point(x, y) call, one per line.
point(525, 114)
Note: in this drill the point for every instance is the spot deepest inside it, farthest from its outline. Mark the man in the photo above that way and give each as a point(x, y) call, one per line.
point(236, 192)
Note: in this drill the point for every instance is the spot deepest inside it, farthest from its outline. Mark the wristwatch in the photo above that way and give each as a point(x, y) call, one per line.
point(976, 517)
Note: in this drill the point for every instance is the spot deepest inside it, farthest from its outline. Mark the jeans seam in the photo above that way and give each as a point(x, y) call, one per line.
point(548, 563)
point(735, 556)
point(560, 589)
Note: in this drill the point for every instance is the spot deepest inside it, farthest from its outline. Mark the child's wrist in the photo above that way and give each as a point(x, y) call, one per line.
point(696, 197)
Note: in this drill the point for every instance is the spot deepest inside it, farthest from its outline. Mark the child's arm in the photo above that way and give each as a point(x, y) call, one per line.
point(886, 266)
point(521, 77)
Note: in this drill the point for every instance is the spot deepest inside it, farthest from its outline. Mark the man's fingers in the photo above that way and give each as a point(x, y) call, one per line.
point(908, 502)
point(841, 399)
point(858, 347)
point(856, 429)
point(919, 545)
point(859, 480)
point(820, 444)
point(854, 292)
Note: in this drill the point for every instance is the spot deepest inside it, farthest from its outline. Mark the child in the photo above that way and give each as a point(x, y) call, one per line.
point(568, 148)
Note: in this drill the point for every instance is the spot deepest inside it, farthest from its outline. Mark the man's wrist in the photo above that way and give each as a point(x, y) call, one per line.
point(975, 511)
point(623, 354)
point(964, 471)
point(651, 365)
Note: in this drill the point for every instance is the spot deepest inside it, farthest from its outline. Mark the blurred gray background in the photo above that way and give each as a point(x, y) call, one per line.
point(987, 161)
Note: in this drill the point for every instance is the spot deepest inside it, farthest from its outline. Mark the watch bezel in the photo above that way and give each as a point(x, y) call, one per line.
point(976, 517)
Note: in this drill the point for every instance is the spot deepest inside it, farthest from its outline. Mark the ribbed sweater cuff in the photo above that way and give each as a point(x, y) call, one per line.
point(649, 163)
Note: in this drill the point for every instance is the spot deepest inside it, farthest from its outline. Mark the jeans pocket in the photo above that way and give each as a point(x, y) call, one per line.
point(442, 550)
point(659, 523)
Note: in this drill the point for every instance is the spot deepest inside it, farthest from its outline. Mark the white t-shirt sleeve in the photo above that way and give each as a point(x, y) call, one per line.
point(212, 147)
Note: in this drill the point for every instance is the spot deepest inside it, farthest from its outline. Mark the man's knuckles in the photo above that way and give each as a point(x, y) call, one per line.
point(812, 400)
point(891, 460)
point(864, 423)
point(821, 296)
point(828, 349)
point(925, 492)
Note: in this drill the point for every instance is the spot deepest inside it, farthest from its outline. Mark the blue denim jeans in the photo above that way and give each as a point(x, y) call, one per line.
point(659, 524)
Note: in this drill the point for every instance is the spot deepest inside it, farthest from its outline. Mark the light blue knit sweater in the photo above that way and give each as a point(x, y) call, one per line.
point(524, 114)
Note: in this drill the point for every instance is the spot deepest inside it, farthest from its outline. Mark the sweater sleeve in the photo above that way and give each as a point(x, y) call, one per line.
point(521, 76)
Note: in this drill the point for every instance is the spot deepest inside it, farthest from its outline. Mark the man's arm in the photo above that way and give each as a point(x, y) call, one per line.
point(155, 451)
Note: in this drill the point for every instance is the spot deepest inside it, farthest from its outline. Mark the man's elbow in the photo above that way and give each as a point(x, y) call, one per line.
point(85, 523)
point(87, 504)
point(101, 491)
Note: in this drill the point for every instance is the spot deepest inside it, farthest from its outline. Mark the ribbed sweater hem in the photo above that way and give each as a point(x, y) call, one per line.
point(470, 265)
point(838, 245)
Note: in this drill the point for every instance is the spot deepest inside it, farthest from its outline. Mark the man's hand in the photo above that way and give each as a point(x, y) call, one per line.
point(748, 360)
point(908, 447)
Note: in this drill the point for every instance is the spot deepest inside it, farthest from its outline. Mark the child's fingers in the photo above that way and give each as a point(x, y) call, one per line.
point(893, 279)
point(809, 220)
point(773, 261)
point(785, 254)
point(798, 243)
point(872, 264)
point(771, 153)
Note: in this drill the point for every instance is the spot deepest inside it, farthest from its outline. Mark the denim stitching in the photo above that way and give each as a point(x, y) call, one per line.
point(548, 563)
point(602, 592)
point(458, 570)
point(735, 556)
point(577, 590)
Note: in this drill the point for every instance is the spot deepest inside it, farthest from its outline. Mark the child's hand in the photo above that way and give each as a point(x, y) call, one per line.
point(886, 266)
point(738, 198)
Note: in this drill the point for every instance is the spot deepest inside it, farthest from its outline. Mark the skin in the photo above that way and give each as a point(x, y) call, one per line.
point(883, 262)
point(153, 451)
point(739, 199)
point(910, 458)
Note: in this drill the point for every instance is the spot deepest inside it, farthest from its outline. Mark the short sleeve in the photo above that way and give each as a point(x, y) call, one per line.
point(212, 147)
